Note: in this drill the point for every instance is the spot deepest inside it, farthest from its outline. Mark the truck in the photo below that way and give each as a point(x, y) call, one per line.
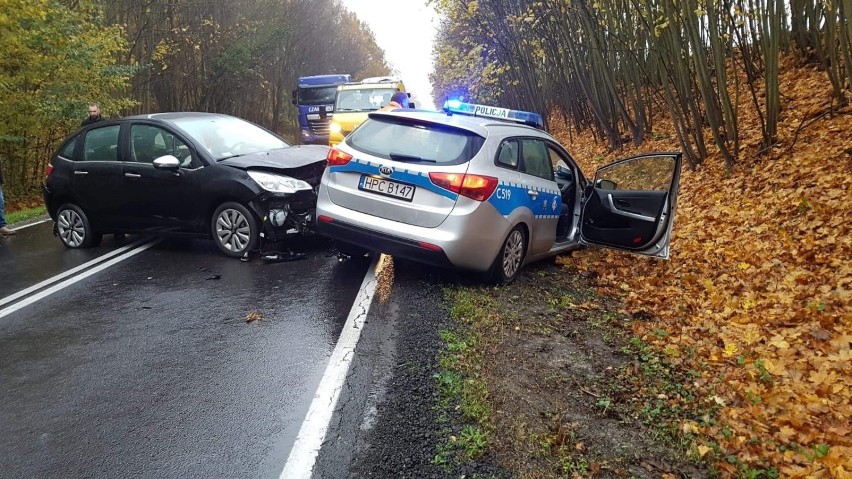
point(314, 98)
point(354, 101)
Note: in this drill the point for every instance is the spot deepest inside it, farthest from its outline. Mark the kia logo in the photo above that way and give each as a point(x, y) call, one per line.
point(386, 170)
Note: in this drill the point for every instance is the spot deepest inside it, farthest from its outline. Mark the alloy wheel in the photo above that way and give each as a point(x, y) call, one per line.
point(513, 253)
point(233, 230)
point(71, 228)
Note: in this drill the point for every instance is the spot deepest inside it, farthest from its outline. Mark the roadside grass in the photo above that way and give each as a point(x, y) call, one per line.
point(25, 214)
point(463, 411)
point(546, 378)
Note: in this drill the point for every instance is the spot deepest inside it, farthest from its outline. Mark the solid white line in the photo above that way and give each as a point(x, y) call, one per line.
point(70, 272)
point(30, 224)
point(303, 456)
point(37, 297)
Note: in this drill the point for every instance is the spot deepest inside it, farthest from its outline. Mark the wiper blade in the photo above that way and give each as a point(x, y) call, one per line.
point(409, 158)
point(231, 156)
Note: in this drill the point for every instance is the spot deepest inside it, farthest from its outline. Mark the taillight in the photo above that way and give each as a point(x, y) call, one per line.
point(336, 157)
point(48, 170)
point(477, 187)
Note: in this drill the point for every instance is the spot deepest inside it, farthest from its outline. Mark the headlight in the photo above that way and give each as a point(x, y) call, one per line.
point(334, 127)
point(278, 183)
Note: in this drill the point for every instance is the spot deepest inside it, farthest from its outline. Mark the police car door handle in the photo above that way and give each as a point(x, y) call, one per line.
point(80, 172)
point(628, 214)
point(532, 193)
point(133, 175)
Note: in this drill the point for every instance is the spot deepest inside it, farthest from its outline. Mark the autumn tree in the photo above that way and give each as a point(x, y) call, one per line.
point(55, 59)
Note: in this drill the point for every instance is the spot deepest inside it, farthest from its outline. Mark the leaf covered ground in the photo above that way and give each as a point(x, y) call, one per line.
point(757, 296)
point(731, 359)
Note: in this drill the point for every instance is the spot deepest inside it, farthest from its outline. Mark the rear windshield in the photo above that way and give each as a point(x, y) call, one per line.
point(414, 142)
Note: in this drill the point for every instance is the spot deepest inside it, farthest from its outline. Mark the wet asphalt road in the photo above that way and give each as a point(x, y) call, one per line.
point(149, 369)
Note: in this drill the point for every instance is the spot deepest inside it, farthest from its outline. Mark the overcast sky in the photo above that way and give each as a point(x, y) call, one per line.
point(405, 30)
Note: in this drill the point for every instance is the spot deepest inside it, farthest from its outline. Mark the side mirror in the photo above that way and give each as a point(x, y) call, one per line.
point(294, 94)
point(167, 162)
point(411, 105)
point(605, 184)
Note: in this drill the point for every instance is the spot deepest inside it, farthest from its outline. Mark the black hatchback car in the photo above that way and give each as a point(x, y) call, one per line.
point(195, 174)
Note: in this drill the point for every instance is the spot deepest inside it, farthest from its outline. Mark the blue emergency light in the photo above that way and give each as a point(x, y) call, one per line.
point(517, 116)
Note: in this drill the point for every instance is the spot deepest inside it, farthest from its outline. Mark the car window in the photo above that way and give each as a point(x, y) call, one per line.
point(101, 144)
point(148, 142)
point(536, 160)
point(415, 142)
point(367, 99)
point(225, 137)
point(508, 155)
point(652, 173)
point(68, 150)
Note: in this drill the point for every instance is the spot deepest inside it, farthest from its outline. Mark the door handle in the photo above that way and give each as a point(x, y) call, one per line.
point(533, 194)
point(635, 216)
point(81, 172)
point(133, 175)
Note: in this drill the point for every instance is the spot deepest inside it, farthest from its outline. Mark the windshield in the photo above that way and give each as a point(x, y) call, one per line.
point(415, 143)
point(225, 136)
point(368, 99)
point(317, 96)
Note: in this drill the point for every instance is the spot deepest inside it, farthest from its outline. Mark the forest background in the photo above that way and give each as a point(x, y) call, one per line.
point(756, 300)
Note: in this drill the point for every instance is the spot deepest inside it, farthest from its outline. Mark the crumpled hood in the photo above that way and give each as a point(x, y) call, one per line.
point(290, 157)
point(304, 162)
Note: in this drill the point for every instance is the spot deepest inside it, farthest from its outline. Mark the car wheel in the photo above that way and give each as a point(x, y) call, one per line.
point(74, 229)
point(507, 264)
point(235, 229)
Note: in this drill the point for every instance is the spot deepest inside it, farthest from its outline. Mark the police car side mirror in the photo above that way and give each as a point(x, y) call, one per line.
point(605, 184)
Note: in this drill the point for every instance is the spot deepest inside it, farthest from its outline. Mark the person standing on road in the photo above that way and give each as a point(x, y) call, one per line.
point(4, 230)
point(94, 115)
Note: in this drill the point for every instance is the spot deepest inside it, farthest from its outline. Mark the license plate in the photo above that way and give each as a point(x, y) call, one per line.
point(386, 187)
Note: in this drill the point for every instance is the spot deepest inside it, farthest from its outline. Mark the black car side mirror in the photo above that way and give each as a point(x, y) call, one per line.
point(167, 162)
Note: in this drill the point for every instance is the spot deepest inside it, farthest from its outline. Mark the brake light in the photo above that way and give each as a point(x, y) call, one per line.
point(336, 157)
point(477, 187)
point(48, 170)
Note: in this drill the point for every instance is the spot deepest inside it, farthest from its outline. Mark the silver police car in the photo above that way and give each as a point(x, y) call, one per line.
point(486, 189)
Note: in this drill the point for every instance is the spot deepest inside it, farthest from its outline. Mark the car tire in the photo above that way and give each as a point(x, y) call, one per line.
point(74, 228)
point(510, 258)
point(235, 230)
point(354, 252)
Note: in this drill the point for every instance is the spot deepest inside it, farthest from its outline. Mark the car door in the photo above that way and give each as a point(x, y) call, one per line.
point(96, 176)
point(631, 203)
point(159, 200)
point(541, 194)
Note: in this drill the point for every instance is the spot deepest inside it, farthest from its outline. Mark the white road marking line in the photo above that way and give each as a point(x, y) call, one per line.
point(303, 456)
point(70, 272)
point(31, 224)
point(47, 292)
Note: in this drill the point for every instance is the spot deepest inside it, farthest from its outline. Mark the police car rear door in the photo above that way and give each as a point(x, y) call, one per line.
point(631, 203)
point(540, 192)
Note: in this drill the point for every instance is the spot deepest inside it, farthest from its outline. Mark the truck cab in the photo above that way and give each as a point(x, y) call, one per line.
point(314, 98)
point(354, 101)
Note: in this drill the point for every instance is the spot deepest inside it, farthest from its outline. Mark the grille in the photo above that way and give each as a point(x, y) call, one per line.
point(319, 127)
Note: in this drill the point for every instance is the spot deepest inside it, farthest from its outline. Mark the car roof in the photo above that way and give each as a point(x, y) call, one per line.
point(177, 115)
point(479, 125)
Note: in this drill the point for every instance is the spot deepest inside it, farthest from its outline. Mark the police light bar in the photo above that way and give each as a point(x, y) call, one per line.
point(525, 117)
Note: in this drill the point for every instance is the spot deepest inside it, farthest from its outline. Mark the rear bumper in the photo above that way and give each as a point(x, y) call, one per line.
point(469, 238)
point(385, 243)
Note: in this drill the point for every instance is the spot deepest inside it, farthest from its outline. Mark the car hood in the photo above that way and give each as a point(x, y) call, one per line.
point(304, 162)
point(290, 157)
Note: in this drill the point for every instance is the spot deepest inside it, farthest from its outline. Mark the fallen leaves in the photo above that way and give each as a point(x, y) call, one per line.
point(758, 290)
point(254, 316)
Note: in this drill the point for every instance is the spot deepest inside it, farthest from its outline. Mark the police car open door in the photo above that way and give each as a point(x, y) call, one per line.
point(631, 204)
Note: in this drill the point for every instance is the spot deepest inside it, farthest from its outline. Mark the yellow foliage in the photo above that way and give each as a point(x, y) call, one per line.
point(759, 285)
